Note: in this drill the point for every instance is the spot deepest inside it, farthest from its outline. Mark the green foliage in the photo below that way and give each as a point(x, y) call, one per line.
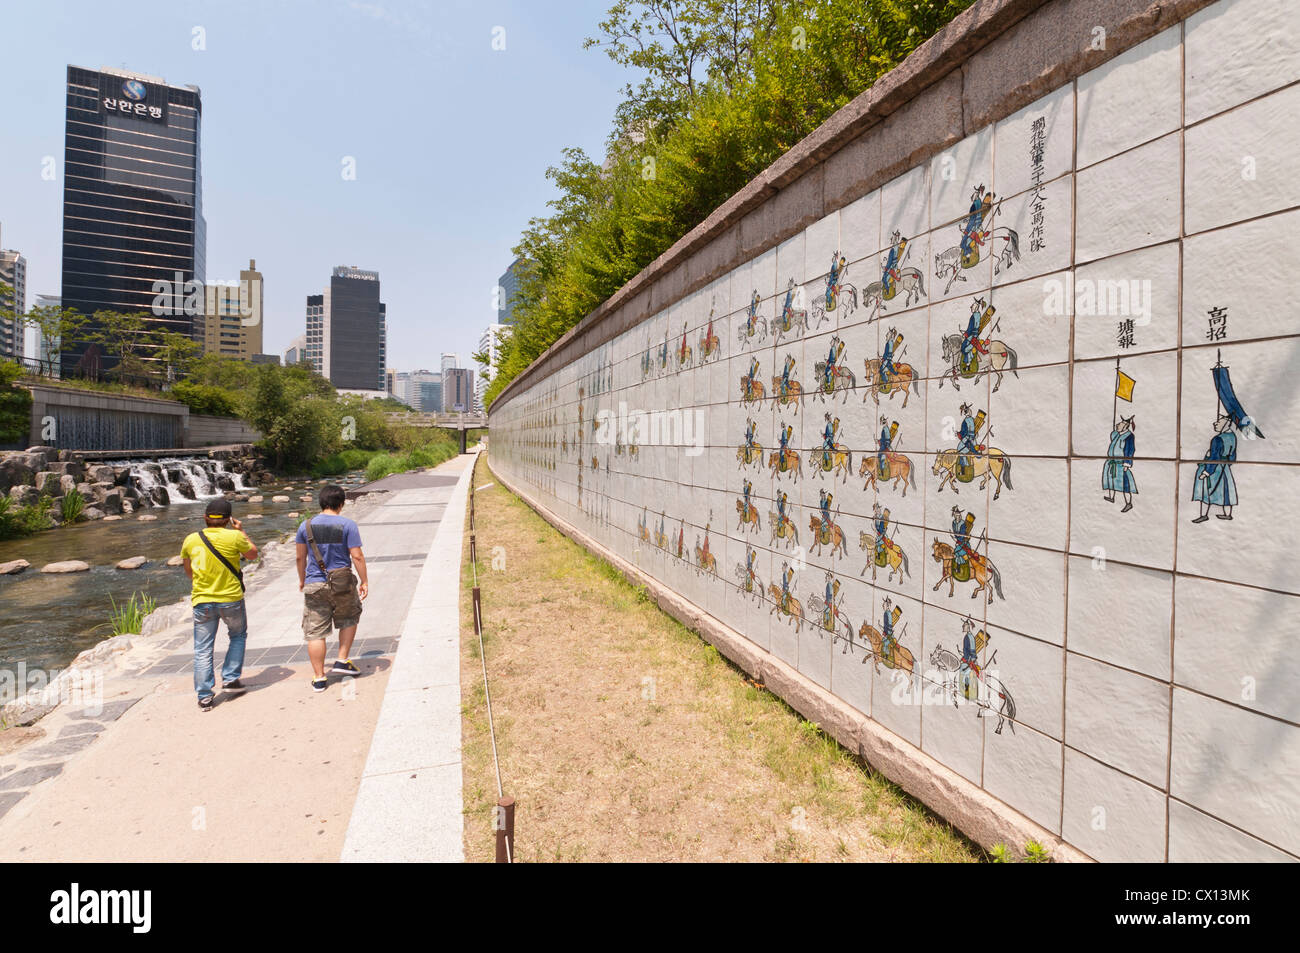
point(437, 448)
point(128, 619)
point(71, 507)
point(728, 87)
point(15, 405)
point(206, 399)
point(1036, 853)
point(18, 521)
point(343, 462)
point(998, 854)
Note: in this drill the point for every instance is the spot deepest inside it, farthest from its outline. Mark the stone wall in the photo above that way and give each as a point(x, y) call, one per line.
point(68, 418)
point(205, 431)
point(1030, 219)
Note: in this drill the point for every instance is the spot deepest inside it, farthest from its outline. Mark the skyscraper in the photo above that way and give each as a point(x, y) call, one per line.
point(347, 330)
point(507, 288)
point(449, 361)
point(133, 229)
point(13, 272)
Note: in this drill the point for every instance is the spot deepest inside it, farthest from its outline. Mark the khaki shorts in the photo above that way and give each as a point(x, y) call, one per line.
point(324, 608)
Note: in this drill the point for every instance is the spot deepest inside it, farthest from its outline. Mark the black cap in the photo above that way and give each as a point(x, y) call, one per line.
point(217, 509)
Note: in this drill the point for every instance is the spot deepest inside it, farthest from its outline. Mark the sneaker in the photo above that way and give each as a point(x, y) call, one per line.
point(319, 684)
point(205, 704)
point(345, 666)
point(235, 688)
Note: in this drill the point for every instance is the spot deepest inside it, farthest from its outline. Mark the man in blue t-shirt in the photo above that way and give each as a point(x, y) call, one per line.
point(338, 542)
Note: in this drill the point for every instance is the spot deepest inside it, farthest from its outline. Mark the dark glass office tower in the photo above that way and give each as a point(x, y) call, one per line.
point(132, 202)
point(346, 330)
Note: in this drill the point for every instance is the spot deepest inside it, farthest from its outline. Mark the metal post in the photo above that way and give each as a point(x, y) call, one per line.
point(505, 827)
point(473, 549)
point(478, 613)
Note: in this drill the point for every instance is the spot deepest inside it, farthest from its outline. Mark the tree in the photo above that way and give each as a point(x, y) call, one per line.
point(729, 86)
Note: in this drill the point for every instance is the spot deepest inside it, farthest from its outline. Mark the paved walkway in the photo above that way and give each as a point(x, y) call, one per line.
point(369, 770)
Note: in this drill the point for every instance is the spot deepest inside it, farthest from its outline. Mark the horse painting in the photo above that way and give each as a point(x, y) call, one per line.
point(982, 571)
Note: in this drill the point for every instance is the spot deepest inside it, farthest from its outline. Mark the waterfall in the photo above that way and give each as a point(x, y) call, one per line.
point(181, 479)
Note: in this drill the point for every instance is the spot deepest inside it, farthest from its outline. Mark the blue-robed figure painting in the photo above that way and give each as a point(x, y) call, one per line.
point(1117, 471)
point(1214, 484)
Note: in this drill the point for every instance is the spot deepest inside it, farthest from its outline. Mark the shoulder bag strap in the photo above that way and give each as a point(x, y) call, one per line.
point(311, 541)
point(222, 559)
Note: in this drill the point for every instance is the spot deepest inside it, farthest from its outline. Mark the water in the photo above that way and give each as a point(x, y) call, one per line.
point(45, 620)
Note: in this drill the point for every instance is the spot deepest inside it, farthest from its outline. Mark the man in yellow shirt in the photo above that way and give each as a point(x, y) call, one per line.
point(212, 562)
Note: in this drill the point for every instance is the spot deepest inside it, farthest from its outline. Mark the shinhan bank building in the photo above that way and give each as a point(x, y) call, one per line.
point(132, 201)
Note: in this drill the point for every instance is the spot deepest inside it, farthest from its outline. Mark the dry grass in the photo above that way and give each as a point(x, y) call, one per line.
point(623, 736)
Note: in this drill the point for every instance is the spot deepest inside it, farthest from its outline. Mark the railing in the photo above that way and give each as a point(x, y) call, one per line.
point(454, 421)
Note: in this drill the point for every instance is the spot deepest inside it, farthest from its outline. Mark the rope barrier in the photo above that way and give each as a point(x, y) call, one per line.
point(503, 820)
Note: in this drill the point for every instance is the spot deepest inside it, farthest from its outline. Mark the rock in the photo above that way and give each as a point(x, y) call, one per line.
point(294, 516)
point(159, 496)
point(304, 499)
point(92, 513)
point(186, 489)
point(135, 562)
point(69, 565)
point(87, 492)
point(19, 469)
point(24, 495)
point(279, 499)
point(122, 476)
point(102, 474)
point(240, 498)
point(225, 483)
point(112, 501)
point(112, 519)
point(253, 516)
point(47, 481)
point(146, 517)
point(14, 567)
point(256, 499)
point(177, 561)
point(174, 475)
point(127, 507)
point(67, 484)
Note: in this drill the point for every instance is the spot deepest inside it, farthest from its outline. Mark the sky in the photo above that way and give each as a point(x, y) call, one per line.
point(449, 139)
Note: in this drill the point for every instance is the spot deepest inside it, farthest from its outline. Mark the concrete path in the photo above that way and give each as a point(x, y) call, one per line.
point(368, 770)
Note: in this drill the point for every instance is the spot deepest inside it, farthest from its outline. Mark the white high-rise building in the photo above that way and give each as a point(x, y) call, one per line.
point(490, 344)
point(13, 272)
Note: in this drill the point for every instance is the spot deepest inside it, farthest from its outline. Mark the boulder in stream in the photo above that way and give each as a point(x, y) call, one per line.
point(146, 517)
point(279, 499)
point(135, 562)
point(176, 561)
point(13, 567)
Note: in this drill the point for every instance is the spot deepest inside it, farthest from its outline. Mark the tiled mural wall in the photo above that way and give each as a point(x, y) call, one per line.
point(1004, 454)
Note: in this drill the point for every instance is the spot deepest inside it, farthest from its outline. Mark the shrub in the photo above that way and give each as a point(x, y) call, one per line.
point(206, 399)
point(15, 405)
point(18, 521)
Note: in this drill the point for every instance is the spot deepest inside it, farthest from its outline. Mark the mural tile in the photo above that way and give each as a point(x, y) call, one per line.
point(1153, 410)
point(1148, 178)
point(1259, 672)
point(860, 227)
point(1133, 98)
point(1110, 816)
point(1100, 528)
point(1023, 768)
point(1237, 50)
point(1198, 838)
point(1121, 614)
point(1036, 144)
point(955, 171)
point(1118, 717)
point(1243, 163)
point(1127, 304)
point(1237, 765)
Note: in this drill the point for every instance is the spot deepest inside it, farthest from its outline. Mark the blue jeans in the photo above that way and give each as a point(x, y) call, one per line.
point(206, 617)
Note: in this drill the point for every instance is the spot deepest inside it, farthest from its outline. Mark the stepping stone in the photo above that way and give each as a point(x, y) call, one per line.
point(176, 561)
point(68, 565)
point(59, 749)
point(135, 562)
point(13, 567)
point(146, 518)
